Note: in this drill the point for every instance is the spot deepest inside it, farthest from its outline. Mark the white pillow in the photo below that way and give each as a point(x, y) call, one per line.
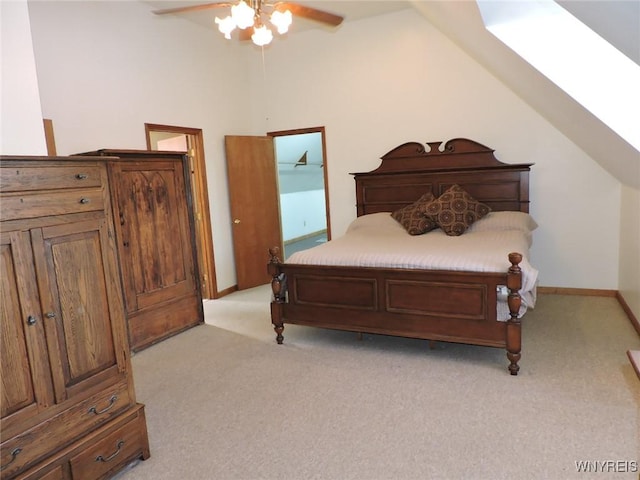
point(505, 221)
point(375, 221)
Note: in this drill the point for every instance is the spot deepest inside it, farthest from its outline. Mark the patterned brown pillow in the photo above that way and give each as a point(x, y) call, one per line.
point(455, 210)
point(412, 217)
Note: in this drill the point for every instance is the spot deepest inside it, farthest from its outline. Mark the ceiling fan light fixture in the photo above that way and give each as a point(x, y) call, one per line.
point(261, 35)
point(226, 25)
point(282, 20)
point(243, 15)
point(250, 15)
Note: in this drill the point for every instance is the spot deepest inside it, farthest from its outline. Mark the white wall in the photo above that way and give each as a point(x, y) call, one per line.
point(304, 213)
point(21, 127)
point(104, 70)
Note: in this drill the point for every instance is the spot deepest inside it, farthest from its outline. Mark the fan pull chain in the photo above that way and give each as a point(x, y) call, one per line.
point(264, 82)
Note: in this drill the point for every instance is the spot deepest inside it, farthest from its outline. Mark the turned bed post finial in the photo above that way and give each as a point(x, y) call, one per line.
point(279, 289)
point(276, 275)
point(514, 284)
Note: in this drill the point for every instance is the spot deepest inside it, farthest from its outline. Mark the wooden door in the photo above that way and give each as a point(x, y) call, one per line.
point(255, 206)
point(153, 231)
point(202, 214)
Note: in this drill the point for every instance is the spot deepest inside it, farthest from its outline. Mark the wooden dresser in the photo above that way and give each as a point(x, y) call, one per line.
point(68, 403)
point(152, 205)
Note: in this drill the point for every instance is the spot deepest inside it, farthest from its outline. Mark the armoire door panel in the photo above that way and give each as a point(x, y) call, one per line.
point(24, 369)
point(151, 211)
point(82, 304)
point(17, 385)
point(76, 305)
point(154, 233)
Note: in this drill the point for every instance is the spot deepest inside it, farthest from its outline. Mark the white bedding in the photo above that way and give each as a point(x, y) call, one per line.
point(377, 240)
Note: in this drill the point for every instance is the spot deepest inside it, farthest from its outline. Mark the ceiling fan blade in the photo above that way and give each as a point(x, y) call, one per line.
point(310, 13)
point(193, 8)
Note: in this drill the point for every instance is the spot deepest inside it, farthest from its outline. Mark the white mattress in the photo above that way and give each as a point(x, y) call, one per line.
point(377, 240)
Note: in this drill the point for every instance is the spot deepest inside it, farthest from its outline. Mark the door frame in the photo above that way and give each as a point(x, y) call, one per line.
point(200, 195)
point(321, 130)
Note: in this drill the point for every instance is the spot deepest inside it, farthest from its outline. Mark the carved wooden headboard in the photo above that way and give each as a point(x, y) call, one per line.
point(409, 171)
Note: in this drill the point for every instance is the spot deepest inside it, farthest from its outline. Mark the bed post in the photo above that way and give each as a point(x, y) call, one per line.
point(514, 284)
point(279, 288)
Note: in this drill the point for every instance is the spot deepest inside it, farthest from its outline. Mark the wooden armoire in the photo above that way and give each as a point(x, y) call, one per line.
point(68, 406)
point(151, 198)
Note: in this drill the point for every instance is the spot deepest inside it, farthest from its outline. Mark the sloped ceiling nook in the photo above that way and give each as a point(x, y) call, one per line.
point(462, 23)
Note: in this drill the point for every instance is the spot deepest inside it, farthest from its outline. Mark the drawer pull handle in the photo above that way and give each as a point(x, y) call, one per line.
point(119, 446)
point(112, 402)
point(14, 454)
point(84, 200)
point(81, 176)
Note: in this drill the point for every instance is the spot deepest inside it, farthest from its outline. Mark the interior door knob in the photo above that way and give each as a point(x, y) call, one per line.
point(236, 221)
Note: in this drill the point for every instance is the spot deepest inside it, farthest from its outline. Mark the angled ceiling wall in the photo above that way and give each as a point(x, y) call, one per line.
point(462, 23)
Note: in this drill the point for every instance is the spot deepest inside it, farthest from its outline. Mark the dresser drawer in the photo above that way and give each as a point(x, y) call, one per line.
point(23, 178)
point(33, 205)
point(58, 472)
point(113, 451)
point(23, 450)
point(98, 455)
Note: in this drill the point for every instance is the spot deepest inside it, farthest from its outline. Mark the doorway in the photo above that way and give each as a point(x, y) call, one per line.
point(302, 187)
point(255, 197)
point(189, 140)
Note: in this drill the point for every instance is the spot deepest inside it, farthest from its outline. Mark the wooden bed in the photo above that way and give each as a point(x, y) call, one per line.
point(451, 306)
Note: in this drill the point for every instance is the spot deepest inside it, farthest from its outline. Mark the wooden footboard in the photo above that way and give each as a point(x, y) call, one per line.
point(441, 305)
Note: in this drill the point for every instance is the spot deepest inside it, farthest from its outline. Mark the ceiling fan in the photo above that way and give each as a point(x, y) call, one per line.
point(248, 17)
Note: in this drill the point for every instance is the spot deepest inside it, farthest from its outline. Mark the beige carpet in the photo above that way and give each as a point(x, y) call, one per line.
point(224, 401)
